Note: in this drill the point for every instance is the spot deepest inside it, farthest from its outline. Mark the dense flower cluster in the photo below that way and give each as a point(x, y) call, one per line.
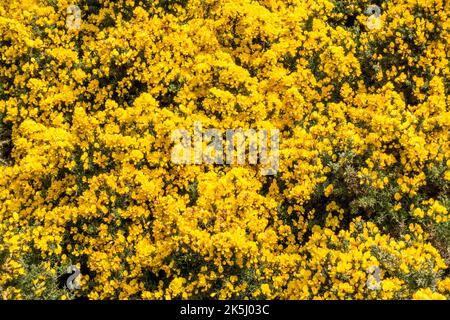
point(86, 178)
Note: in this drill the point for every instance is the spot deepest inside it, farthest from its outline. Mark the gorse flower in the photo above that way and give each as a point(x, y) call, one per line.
point(88, 104)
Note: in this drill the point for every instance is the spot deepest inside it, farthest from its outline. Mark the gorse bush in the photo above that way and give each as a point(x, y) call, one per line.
point(86, 117)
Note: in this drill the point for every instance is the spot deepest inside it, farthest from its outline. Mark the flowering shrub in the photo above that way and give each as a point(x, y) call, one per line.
point(88, 104)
